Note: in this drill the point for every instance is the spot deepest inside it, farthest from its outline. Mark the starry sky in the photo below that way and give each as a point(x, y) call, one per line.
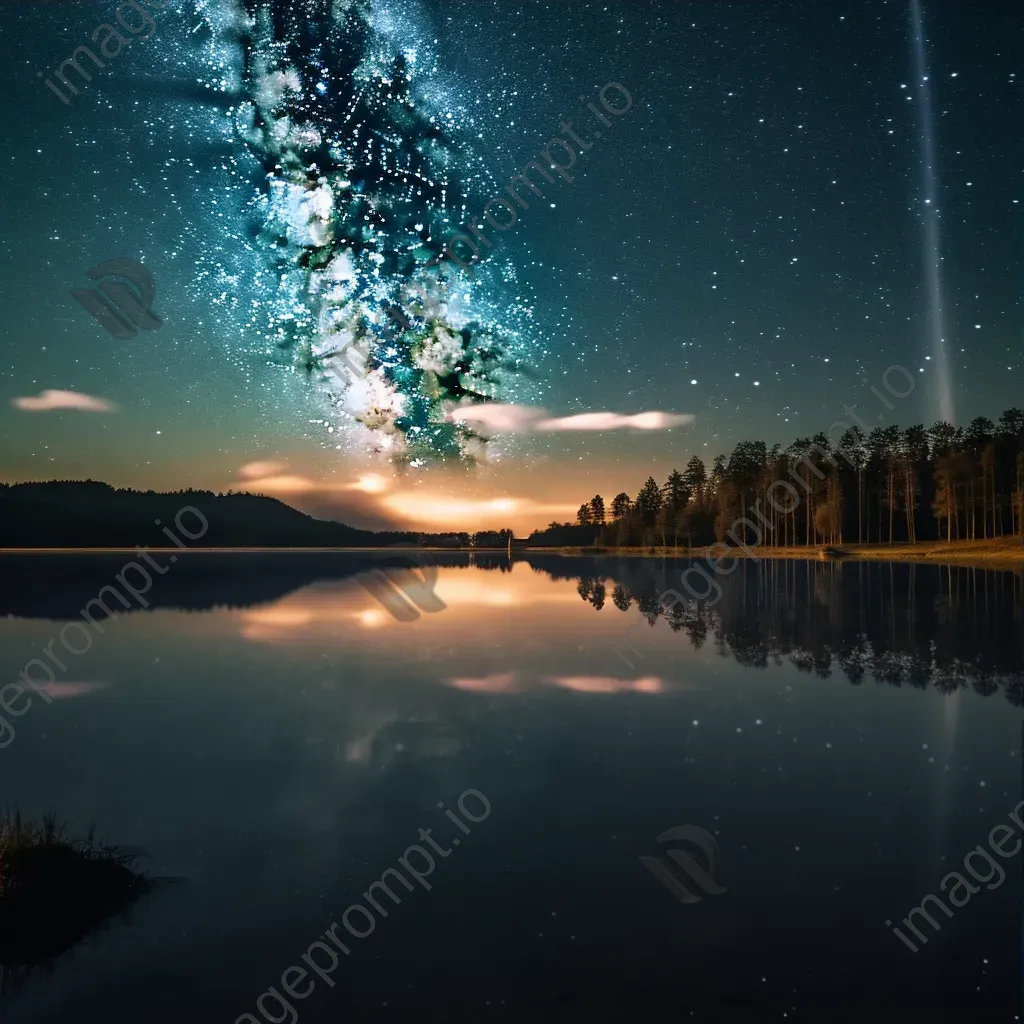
point(746, 244)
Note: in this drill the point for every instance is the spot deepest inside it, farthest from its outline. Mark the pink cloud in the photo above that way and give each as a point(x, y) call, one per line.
point(49, 400)
point(286, 483)
point(505, 419)
point(253, 469)
point(527, 419)
point(355, 502)
point(496, 682)
point(618, 421)
point(64, 691)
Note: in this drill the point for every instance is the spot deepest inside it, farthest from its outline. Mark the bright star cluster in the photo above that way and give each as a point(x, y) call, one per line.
point(360, 180)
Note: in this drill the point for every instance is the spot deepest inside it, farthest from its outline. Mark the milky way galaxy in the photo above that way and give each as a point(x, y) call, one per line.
point(359, 179)
point(753, 244)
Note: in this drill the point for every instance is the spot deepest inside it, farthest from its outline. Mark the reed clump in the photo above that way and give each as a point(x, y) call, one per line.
point(55, 889)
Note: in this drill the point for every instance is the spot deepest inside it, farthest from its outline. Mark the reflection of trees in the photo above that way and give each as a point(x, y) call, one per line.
point(592, 591)
point(491, 561)
point(914, 625)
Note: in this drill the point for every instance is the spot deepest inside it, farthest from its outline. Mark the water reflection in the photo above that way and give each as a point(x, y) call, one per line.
point(942, 626)
point(269, 733)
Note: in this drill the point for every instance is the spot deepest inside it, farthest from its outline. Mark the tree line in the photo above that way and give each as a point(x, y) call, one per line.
point(888, 486)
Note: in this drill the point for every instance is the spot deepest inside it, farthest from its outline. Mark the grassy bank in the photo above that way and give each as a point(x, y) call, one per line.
point(56, 890)
point(1003, 553)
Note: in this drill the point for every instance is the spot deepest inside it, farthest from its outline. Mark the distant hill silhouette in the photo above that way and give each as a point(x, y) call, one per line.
point(79, 514)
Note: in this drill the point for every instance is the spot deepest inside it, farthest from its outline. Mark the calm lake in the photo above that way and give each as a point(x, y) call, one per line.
point(838, 737)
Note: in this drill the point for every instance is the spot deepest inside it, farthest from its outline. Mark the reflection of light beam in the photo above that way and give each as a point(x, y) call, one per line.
point(930, 213)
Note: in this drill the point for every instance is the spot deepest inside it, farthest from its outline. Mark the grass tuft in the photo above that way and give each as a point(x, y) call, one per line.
point(55, 890)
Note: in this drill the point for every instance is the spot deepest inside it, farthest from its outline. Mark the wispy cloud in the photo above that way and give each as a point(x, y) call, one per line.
point(448, 511)
point(65, 691)
point(355, 501)
point(275, 477)
point(255, 469)
point(373, 501)
point(528, 419)
point(617, 421)
point(49, 400)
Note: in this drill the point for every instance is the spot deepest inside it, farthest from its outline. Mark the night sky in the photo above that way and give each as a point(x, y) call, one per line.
point(746, 244)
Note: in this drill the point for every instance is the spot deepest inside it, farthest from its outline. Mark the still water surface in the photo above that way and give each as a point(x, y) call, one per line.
point(275, 739)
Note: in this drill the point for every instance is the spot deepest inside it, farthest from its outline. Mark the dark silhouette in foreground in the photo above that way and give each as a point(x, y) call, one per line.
point(55, 891)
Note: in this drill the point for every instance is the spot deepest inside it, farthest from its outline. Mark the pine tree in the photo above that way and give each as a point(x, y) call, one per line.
point(648, 501)
point(696, 478)
point(675, 493)
point(666, 522)
point(597, 510)
point(621, 506)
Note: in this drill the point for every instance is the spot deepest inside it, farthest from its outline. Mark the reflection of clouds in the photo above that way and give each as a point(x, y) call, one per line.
point(273, 623)
point(409, 738)
point(508, 682)
point(293, 624)
point(608, 684)
point(497, 682)
point(322, 611)
point(65, 691)
point(371, 618)
point(360, 749)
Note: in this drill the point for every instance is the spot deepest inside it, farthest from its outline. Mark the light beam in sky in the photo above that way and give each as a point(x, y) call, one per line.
point(942, 395)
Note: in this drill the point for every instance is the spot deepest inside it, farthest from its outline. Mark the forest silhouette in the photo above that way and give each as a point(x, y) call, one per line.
point(890, 485)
